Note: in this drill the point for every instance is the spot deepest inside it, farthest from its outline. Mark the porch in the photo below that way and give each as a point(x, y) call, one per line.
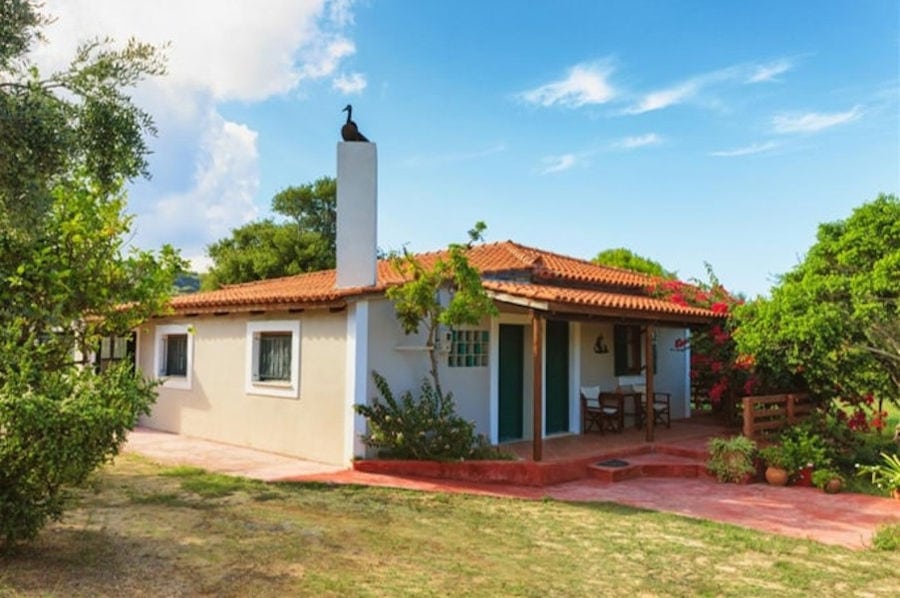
point(679, 451)
point(690, 434)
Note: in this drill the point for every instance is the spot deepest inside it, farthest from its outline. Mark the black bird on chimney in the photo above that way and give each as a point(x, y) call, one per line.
point(350, 132)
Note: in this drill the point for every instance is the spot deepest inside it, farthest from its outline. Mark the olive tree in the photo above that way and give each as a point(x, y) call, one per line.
point(69, 141)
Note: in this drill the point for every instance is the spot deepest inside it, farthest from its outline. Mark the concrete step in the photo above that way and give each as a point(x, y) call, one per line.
point(660, 465)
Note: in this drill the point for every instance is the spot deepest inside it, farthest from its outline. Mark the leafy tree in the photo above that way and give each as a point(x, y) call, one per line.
point(831, 323)
point(628, 260)
point(427, 427)
point(268, 249)
point(68, 142)
point(418, 302)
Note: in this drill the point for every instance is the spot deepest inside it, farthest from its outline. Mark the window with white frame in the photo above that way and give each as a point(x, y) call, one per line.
point(468, 348)
point(173, 355)
point(273, 358)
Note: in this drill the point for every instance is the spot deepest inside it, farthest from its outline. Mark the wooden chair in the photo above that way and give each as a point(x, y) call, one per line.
point(662, 408)
point(612, 411)
point(591, 411)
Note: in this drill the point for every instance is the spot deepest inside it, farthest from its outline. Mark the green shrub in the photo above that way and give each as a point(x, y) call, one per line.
point(803, 448)
point(731, 459)
point(885, 475)
point(53, 439)
point(887, 537)
point(425, 428)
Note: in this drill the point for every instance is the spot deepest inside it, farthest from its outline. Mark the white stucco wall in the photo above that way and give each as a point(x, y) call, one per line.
point(599, 369)
point(217, 406)
point(402, 360)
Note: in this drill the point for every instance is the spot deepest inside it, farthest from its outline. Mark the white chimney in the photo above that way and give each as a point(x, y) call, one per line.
point(357, 203)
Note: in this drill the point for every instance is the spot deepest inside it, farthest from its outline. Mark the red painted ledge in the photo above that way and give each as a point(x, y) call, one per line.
point(520, 473)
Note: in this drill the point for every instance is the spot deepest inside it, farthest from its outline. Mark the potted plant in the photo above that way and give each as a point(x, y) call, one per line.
point(829, 480)
point(885, 475)
point(804, 451)
point(778, 468)
point(731, 459)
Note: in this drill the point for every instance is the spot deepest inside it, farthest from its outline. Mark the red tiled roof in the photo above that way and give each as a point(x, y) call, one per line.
point(575, 299)
point(494, 260)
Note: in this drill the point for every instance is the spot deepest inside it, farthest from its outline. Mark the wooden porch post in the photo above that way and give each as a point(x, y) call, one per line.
point(537, 356)
point(650, 414)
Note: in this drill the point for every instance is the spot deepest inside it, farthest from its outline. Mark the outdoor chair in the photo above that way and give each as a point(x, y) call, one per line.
point(591, 412)
point(662, 408)
point(612, 411)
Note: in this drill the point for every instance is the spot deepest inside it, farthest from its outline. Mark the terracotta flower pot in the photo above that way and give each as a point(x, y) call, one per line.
point(833, 486)
point(776, 476)
point(896, 493)
point(804, 477)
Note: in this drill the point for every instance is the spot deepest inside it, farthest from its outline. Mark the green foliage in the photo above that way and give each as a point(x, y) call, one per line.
point(55, 436)
point(821, 477)
point(268, 249)
point(887, 537)
point(774, 456)
point(885, 475)
point(426, 427)
point(68, 143)
point(803, 448)
point(628, 260)
point(731, 459)
point(418, 303)
point(828, 318)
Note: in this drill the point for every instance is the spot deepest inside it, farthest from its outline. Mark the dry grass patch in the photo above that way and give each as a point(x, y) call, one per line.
point(140, 529)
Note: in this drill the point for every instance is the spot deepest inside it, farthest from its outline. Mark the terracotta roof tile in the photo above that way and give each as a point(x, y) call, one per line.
point(493, 260)
point(564, 297)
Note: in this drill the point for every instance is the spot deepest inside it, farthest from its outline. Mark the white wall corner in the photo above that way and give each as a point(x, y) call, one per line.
point(357, 209)
point(356, 376)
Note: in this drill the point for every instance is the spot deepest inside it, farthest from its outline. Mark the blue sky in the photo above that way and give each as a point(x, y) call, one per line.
point(687, 132)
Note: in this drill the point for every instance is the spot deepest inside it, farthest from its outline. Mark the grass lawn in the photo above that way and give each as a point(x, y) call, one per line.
point(141, 529)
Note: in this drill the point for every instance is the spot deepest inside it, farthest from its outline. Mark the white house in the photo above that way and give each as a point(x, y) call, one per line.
point(278, 364)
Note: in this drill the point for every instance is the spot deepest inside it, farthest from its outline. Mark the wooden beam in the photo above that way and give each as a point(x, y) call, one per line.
point(537, 357)
point(650, 414)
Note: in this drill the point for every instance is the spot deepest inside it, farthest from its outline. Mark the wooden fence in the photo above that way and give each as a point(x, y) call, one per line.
point(770, 414)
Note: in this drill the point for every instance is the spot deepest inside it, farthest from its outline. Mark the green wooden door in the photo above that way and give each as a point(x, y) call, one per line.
point(511, 371)
point(557, 377)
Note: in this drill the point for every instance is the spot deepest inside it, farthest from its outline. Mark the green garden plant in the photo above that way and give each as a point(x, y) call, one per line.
point(885, 475)
point(424, 427)
point(731, 459)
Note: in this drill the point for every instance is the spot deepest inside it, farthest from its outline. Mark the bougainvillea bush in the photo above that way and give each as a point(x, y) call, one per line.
point(717, 367)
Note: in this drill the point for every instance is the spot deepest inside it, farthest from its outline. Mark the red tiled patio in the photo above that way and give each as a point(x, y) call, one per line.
point(844, 519)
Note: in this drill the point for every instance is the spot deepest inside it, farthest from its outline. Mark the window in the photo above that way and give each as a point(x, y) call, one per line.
point(273, 358)
point(114, 349)
point(468, 348)
point(627, 349)
point(175, 351)
point(173, 360)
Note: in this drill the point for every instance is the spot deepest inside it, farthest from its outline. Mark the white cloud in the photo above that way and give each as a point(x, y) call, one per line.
point(762, 73)
point(350, 84)
point(664, 98)
point(637, 141)
point(584, 84)
point(691, 89)
point(238, 50)
point(561, 163)
point(221, 196)
point(812, 122)
point(755, 148)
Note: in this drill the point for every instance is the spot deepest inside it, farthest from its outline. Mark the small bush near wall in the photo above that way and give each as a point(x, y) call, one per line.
point(423, 428)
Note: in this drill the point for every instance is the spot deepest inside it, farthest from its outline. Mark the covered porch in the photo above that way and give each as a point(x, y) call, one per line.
point(548, 350)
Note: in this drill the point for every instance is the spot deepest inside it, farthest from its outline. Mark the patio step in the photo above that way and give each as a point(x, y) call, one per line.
point(656, 464)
